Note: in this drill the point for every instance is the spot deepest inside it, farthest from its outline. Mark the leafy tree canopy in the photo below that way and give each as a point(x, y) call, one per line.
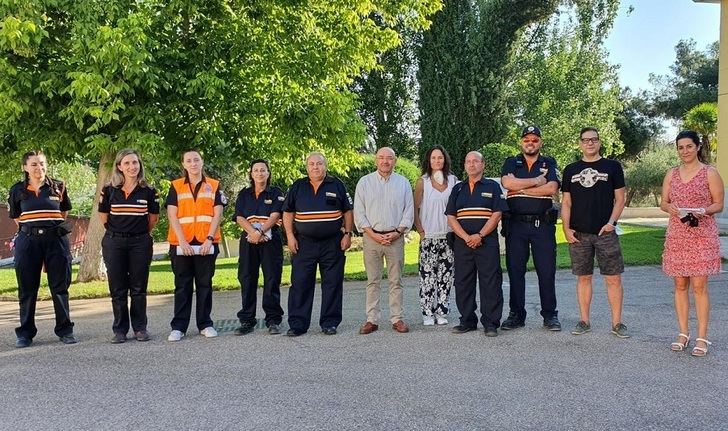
point(561, 80)
point(693, 80)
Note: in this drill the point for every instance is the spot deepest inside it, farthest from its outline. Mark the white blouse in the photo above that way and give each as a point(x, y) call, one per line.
point(432, 209)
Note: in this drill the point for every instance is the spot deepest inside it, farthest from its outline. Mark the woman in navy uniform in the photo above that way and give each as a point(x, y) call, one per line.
point(194, 207)
point(129, 209)
point(258, 211)
point(39, 206)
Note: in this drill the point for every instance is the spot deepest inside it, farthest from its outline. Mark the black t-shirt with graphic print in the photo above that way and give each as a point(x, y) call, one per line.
point(592, 186)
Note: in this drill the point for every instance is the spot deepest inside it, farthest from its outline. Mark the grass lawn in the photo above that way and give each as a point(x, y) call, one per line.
point(640, 245)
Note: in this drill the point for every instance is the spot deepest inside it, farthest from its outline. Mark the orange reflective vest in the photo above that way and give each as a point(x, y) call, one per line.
point(194, 215)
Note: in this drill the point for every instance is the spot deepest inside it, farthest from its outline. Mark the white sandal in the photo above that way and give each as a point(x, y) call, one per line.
point(679, 347)
point(701, 351)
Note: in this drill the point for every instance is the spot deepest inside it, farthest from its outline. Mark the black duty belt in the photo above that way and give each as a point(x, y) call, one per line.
point(39, 231)
point(529, 218)
point(126, 234)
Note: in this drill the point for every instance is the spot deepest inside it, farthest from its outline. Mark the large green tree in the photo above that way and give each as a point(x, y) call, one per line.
point(561, 80)
point(693, 80)
point(388, 100)
point(235, 78)
point(463, 71)
point(637, 123)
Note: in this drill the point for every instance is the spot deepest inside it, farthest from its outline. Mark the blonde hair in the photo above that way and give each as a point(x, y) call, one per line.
point(117, 177)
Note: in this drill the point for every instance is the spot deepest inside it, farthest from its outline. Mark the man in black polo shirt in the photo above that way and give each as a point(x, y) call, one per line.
point(473, 211)
point(315, 209)
point(531, 224)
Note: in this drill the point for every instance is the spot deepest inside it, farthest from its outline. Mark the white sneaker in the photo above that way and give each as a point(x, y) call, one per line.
point(441, 320)
point(175, 335)
point(428, 320)
point(209, 332)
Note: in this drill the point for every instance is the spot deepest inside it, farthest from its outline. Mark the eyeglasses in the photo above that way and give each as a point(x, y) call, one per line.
point(587, 140)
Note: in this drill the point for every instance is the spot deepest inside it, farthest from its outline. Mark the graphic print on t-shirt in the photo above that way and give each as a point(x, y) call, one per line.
point(589, 177)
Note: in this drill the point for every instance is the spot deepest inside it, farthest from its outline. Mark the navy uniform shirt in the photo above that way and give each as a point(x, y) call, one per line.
point(521, 203)
point(474, 208)
point(257, 209)
point(38, 208)
point(129, 214)
point(318, 214)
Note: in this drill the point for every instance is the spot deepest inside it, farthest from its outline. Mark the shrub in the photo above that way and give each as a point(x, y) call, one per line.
point(644, 175)
point(495, 154)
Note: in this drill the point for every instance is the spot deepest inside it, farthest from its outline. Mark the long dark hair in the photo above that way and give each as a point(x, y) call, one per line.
point(56, 186)
point(427, 169)
point(250, 171)
point(693, 136)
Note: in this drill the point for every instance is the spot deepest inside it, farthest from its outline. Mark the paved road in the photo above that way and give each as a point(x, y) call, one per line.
point(428, 379)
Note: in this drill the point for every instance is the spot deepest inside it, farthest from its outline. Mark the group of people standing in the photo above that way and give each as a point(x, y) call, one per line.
point(457, 222)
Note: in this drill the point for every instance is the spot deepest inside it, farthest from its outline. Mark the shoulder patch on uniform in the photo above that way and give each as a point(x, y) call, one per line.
point(348, 197)
point(223, 198)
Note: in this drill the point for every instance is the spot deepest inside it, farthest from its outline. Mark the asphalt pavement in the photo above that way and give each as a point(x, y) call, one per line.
point(428, 379)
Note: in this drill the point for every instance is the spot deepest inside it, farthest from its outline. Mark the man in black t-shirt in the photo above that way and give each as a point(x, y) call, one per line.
point(592, 202)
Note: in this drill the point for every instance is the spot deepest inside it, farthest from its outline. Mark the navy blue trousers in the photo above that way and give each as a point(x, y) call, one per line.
point(525, 239)
point(31, 253)
point(269, 256)
point(330, 259)
point(127, 267)
point(481, 264)
point(188, 270)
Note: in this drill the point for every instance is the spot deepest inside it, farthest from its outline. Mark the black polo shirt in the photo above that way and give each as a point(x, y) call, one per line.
point(474, 208)
point(319, 214)
point(128, 213)
point(521, 203)
point(38, 208)
point(257, 209)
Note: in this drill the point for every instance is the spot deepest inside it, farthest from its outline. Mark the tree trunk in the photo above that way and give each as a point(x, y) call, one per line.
point(630, 195)
point(92, 265)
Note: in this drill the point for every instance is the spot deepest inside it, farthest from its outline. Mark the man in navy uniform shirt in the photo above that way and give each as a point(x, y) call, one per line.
point(473, 211)
point(531, 223)
point(315, 210)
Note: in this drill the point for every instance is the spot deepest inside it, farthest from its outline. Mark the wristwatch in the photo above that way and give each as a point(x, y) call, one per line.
point(349, 233)
point(210, 237)
point(614, 223)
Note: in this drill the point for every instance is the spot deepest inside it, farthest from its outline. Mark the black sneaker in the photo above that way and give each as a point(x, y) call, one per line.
point(329, 330)
point(461, 329)
point(118, 338)
point(294, 333)
point(512, 322)
point(491, 332)
point(21, 342)
point(68, 339)
point(274, 329)
point(244, 328)
point(552, 324)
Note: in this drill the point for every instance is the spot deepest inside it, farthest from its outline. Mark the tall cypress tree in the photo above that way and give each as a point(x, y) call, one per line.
point(463, 59)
